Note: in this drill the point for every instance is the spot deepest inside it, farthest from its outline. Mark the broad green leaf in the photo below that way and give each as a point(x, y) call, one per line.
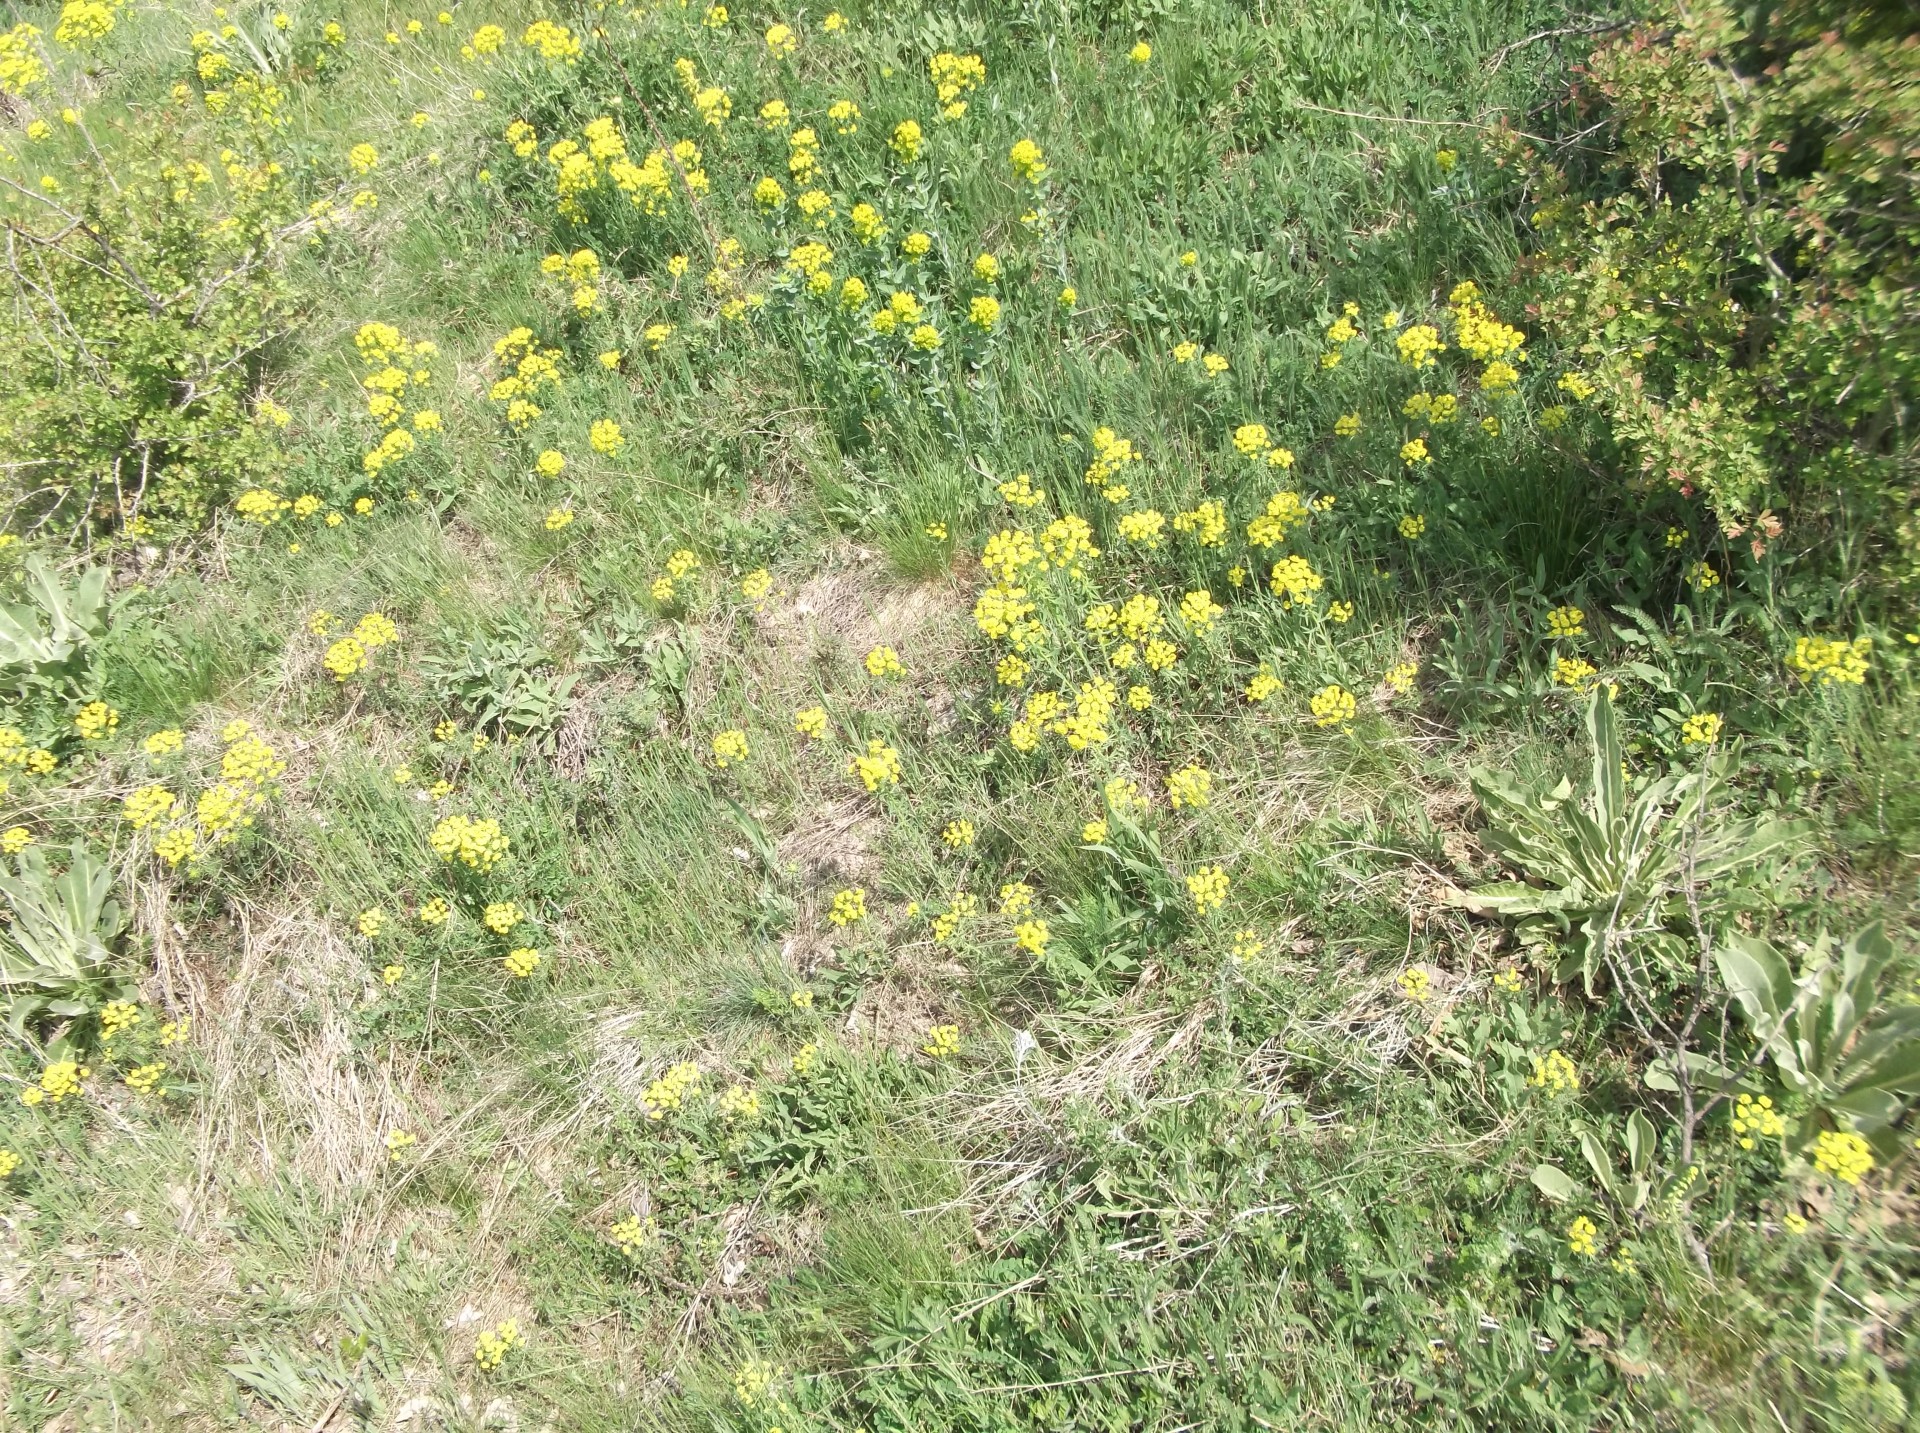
point(1554, 1183)
point(1759, 980)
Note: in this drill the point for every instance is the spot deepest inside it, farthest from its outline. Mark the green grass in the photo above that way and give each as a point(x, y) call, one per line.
point(1173, 1191)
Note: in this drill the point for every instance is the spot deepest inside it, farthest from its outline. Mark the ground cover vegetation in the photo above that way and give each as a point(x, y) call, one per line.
point(1113, 716)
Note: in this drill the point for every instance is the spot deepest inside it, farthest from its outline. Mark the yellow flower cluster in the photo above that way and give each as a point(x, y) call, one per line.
point(348, 655)
point(1756, 1119)
point(496, 1343)
point(849, 907)
point(1333, 705)
point(396, 369)
point(1842, 1154)
point(877, 766)
point(96, 720)
point(529, 370)
point(884, 663)
point(1701, 729)
point(955, 76)
point(1285, 511)
point(668, 1094)
point(554, 42)
point(634, 1235)
point(1208, 887)
point(1554, 1073)
point(1830, 660)
point(1294, 579)
point(1566, 622)
point(59, 1080)
point(1028, 161)
point(478, 844)
point(943, 1041)
point(1191, 786)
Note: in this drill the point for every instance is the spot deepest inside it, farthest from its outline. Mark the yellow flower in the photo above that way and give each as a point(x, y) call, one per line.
point(729, 748)
point(906, 140)
point(942, 1041)
point(1701, 729)
point(849, 906)
point(496, 1343)
point(371, 922)
point(145, 807)
point(1189, 786)
point(1140, 53)
point(884, 662)
point(1831, 661)
point(1554, 1073)
point(958, 835)
point(1581, 1237)
point(1756, 1119)
point(1412, 526)
point(477, 844)
point(669, 1092)
point(521, 961)
point(878, 766)
point(1333, 705)
point(1028, 161)
point(1032, 936)
point(1208, 887)
point(1564, 622)
point(96, 720)
point(811, 722)
point(344, 658)
point(1263, 685)
point(1842, 1154)
point(1573, 672)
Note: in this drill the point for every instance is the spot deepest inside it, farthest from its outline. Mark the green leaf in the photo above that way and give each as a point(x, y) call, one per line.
point(1641, 1140)
point(1759, 980)
point(1553, 1182)
point(1598, 1161)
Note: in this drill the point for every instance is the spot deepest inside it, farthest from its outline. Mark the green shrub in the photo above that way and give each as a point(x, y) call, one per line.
point(1730, 250)
point(145, 290)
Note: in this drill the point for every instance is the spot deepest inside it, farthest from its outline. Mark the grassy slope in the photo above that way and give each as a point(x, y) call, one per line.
point(1220, 1197)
